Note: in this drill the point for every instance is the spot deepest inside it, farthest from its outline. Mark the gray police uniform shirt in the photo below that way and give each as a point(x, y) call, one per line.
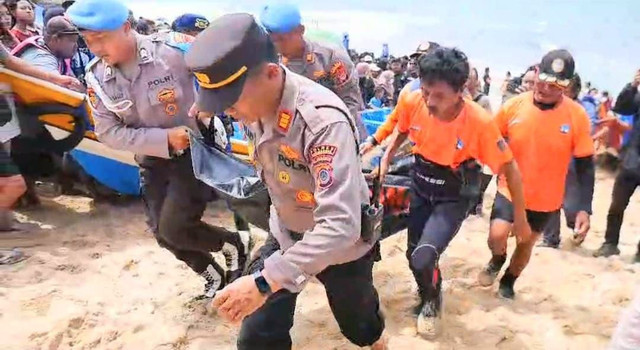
point(307, 157)
point(333, 69)
point(159, 98)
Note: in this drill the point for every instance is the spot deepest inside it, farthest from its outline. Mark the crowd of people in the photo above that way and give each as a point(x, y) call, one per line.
point(381, 79)
point(305, 154)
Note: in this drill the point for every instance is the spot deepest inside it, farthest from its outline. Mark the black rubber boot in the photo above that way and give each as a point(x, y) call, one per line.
point(506, 286)
point(607, 250)
point(489, 274)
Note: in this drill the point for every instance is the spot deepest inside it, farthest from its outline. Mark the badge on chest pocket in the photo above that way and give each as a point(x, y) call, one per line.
point(167, 98)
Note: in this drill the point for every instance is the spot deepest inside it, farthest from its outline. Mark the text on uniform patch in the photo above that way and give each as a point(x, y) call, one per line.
point(160, 81)
point(292, 164)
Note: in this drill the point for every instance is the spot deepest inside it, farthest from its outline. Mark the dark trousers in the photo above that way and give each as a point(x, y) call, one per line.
point(552, 229)
point(485, 180)
point(624, 186)
point(352, 297)
point(432, 226)
point(570, 207)
point(175, 201)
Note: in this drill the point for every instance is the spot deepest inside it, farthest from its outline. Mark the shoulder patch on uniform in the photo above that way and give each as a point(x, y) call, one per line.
point(321, 157)
point(324, 175)
point(285, 120)
point(339, 73)
point(322, 154)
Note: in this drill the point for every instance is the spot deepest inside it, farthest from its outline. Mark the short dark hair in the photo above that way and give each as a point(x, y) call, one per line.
point(271, 55)
point(143, 27)
point(449, 65)
point(51, 12)
point(395, 60)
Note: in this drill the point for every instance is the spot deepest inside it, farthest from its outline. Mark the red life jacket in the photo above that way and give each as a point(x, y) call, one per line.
point(64, 67)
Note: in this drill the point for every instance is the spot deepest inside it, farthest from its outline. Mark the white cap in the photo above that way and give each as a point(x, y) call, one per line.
point(374, 67)
point(367, 59)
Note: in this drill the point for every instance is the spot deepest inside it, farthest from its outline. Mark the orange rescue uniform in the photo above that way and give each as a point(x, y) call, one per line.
point(543, 143)
point(472, 135)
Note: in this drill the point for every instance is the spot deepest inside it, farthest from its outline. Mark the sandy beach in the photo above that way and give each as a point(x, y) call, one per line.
point(96, 279)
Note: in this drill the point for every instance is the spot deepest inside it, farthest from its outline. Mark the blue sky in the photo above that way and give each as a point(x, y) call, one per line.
point(604, 36)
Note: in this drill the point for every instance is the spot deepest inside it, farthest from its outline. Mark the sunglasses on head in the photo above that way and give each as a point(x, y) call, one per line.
point(553, 80)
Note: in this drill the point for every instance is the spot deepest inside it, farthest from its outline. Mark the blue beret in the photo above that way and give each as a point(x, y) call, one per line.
point(190, 21)
point(280, 17)
point(98, 15)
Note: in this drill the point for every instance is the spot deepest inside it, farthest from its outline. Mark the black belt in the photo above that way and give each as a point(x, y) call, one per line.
point(435, 180)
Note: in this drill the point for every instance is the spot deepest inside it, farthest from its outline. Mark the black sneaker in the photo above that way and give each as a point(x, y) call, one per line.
point(607, 250)
point(214, 281)
point(545, 244)
point(430, 317)
point(415, 311)
point(236, 255)
point(488, 275)
point(506, 286)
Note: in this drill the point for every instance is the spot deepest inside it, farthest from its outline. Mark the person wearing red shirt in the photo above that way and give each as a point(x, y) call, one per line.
point(25, 18)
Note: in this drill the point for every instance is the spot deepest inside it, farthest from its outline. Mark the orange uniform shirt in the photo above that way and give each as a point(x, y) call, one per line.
point(389, 125)
point(472, 135)
point(543, 143)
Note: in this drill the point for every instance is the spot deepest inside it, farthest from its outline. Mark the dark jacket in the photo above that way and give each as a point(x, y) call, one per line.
point(628, 103)
point(367, 87)
point(399, 81)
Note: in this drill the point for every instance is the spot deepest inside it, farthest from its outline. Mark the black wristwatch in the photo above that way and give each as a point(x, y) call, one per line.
point(261, 283)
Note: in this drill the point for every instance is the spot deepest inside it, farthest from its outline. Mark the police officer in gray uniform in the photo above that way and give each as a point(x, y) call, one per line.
point(306, 153)
point(328, 66)
point(141, 91)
